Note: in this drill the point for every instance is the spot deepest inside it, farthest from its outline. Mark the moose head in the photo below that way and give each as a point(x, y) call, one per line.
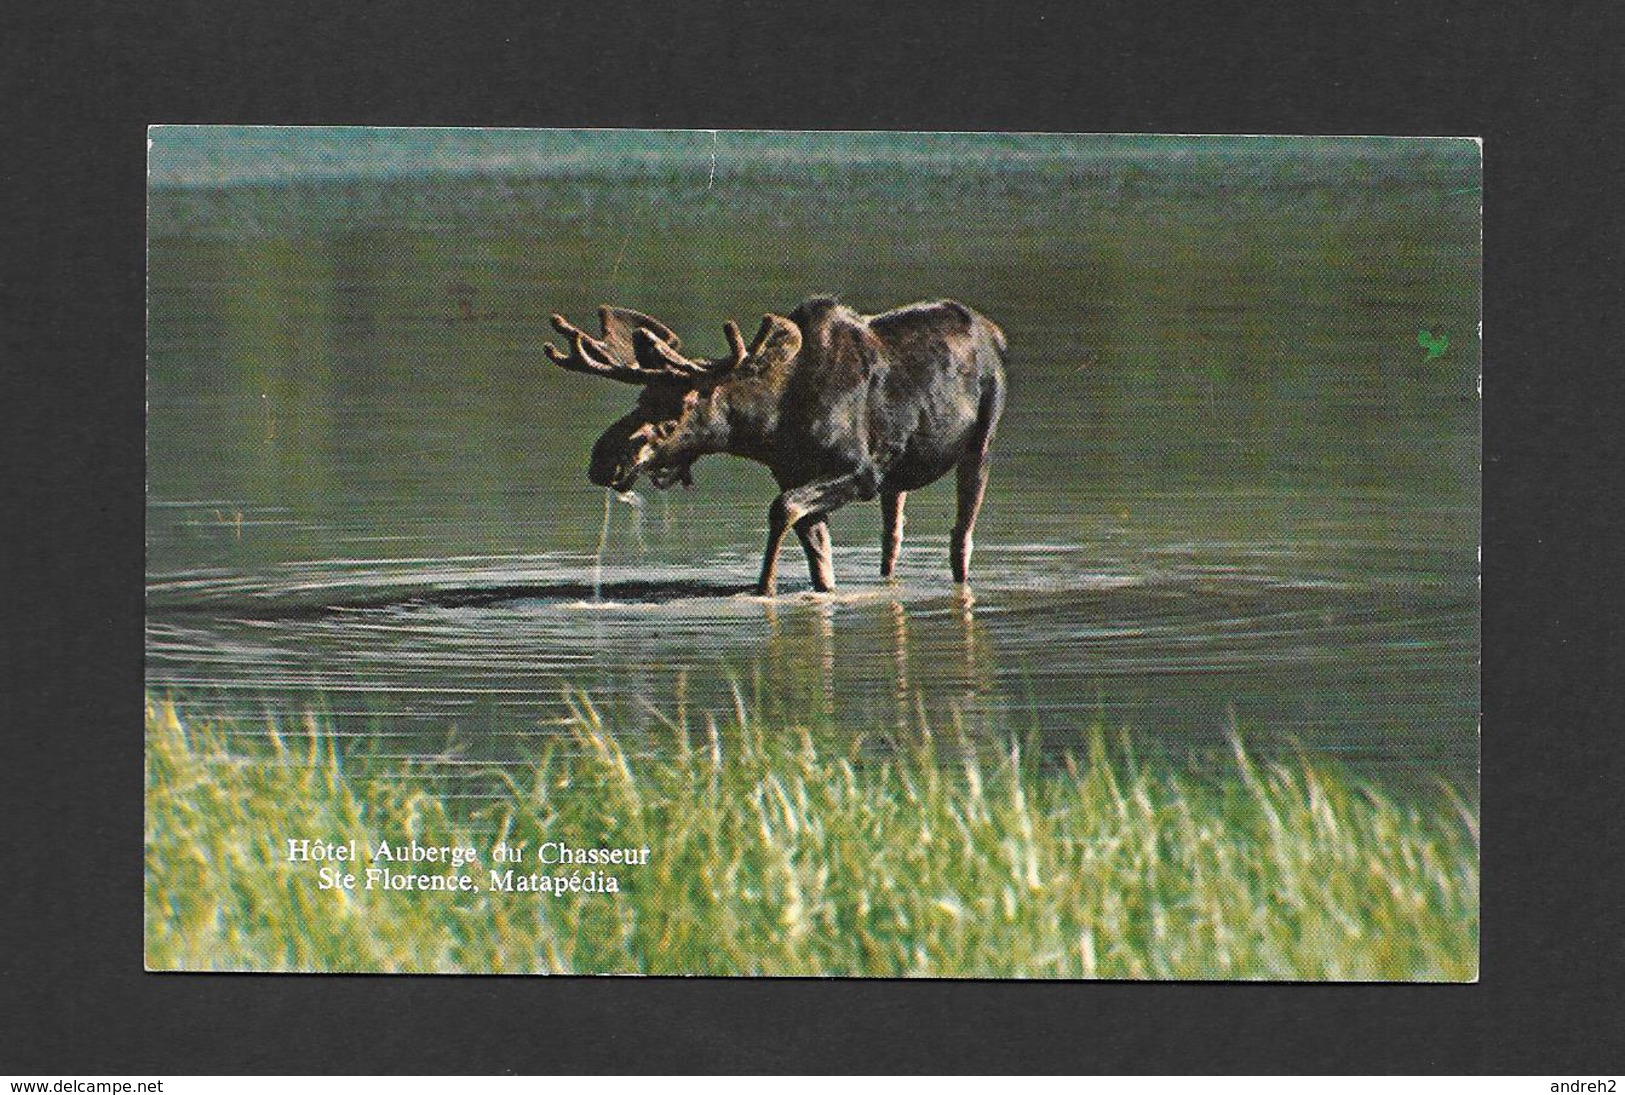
point(670, 420)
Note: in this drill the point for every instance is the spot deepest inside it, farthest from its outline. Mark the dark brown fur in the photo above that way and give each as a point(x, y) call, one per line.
point(856, 407)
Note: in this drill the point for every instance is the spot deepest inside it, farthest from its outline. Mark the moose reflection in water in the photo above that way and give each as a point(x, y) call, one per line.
point(840, 407)
point(933, 652)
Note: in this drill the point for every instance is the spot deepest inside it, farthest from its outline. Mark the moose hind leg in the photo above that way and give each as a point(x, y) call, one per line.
point(972, 485)
point(972, 473)
point(891, 529)
point(816, 542)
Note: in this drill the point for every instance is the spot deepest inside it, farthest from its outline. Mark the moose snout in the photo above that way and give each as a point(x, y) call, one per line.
point(618, 457)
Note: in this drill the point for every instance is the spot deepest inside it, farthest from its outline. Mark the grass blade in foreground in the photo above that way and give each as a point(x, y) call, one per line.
point(779, 852)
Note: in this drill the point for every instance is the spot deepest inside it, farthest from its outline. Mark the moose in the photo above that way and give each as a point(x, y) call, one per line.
point(839, 406)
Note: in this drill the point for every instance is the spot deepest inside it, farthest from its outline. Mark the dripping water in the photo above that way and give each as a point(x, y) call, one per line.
point(632, 499)
point(635, 500)
point(603, 542)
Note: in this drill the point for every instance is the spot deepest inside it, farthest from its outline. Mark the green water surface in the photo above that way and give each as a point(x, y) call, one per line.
point(1230, 488)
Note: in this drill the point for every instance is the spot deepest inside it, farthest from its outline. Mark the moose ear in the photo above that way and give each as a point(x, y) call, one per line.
point(776, 342)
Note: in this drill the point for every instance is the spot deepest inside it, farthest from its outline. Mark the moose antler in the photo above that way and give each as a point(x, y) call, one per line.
point(613, 355)
point(639, 349)
point(778, 338)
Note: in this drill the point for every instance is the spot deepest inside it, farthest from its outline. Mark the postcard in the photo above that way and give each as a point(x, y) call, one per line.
point(949, 555)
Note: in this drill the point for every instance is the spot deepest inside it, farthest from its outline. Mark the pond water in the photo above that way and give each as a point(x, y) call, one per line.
point(1231, 487)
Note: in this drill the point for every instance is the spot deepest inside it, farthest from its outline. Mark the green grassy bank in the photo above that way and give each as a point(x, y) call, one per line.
point(782, 852)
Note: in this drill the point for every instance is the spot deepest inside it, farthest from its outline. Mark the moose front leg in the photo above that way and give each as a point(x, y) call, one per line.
point(891, 530)
point(815, 541)
point(815, 501)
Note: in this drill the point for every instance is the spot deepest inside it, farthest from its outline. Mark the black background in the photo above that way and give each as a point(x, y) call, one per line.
point(80, 82)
